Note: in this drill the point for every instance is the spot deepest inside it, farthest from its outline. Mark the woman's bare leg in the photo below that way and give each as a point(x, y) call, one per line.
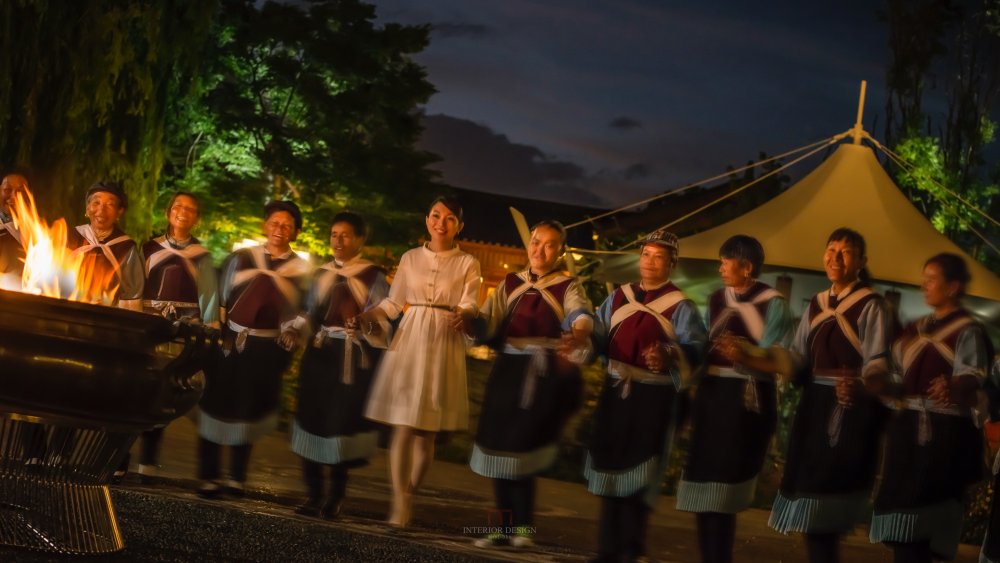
point(400, 457)
point(423, 455)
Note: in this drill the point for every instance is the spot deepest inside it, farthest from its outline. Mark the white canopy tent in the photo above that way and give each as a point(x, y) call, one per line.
point(849, 189)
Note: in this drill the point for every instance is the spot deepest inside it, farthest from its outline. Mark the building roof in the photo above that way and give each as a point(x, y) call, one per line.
point(487, 218)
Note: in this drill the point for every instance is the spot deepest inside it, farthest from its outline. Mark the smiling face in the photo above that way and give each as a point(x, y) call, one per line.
point(443, 225)
point(544, 249)
point(104, 209)
point(279, 228)
point(842, 262)
point(182, 216)
point(344, 241)
point(655, 264)
point(735, 272)
point(9, 188)
point(938, 291)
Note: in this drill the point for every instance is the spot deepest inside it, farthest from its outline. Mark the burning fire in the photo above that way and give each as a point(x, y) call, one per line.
point(50, 268)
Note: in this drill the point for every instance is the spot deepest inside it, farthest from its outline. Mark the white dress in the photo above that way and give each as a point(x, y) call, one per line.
point(421, 382)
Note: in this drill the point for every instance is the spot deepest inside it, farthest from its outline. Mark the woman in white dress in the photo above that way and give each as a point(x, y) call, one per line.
point(420, 386)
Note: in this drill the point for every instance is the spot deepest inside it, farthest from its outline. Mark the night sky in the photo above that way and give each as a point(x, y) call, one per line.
point(604, 103)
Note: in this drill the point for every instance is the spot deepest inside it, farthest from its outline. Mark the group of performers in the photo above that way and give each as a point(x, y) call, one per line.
point(363, 366)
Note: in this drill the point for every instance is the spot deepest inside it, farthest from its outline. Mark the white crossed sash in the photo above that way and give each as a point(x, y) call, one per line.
point(912, 349)
point(625, 375)
point(826, 312)
point(188, 255)
point(908, 352)
point(9, 226)
point(359, 292)
point(348, 271)
point(291, 269)
point(661, 303)
point(747, 310)
point(539, 286)
point(87, 232)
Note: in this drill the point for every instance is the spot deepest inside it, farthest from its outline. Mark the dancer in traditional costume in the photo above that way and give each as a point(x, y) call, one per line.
point(934, 450)
point(330, 432)
point(260, 289)
point(839, 354)
point(112, 255)
point(651, 336)
point(118, 276)
point(420, 387)
point(11, 247)
point(180, 282)
point(734, 412)
point(539, 322)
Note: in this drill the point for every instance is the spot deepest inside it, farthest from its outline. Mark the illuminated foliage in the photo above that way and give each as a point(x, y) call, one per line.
point(310, 102)
point(952, 50)
point(85, 93)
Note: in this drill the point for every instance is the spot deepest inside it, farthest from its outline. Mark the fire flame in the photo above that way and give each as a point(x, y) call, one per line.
point(52, 269)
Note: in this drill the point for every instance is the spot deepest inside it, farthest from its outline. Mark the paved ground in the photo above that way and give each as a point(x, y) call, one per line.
point(453, 499)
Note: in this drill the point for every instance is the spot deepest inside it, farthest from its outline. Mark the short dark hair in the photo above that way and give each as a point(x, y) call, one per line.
point(554, 225)
point(354, 220)
point(286, 206)
point(953, 268)
point(854, 239)
point(744, 247)
point(113, 188)
point(173, 198)
point(451, 203)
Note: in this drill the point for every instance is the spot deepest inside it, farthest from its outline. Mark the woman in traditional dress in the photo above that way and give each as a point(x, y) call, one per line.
point(539, 321)
point(420, 387)
point(839, 356)
point(330, 432)
point(115, 263)
point(734, 412)
point(180, 282)
point(651, 335)
point(112, 254)
point(260, 291)
point(934, 449)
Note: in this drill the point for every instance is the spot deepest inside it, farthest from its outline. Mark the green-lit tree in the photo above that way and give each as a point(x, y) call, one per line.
point(954, 48)
point(312, 102)
point(85, 90)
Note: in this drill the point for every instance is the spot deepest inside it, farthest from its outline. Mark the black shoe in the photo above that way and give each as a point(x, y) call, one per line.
point(118, 476)
point(236, 489)
point(309, 508)
point(331, 510)
point(209, 490)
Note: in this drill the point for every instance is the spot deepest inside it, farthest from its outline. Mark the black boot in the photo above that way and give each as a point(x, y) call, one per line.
point(338, 489)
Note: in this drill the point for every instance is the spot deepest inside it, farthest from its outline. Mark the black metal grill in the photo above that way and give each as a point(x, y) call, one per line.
point(78, 383)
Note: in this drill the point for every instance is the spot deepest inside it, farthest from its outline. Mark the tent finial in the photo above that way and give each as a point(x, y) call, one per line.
point(858, 131)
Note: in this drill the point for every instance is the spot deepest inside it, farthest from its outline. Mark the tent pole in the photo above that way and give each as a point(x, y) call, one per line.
point(858, 131)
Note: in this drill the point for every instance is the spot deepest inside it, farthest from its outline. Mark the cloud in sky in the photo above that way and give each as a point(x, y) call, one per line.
point(476, 157)
point(714, 82)
point(625, 123)
point(637, 171)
